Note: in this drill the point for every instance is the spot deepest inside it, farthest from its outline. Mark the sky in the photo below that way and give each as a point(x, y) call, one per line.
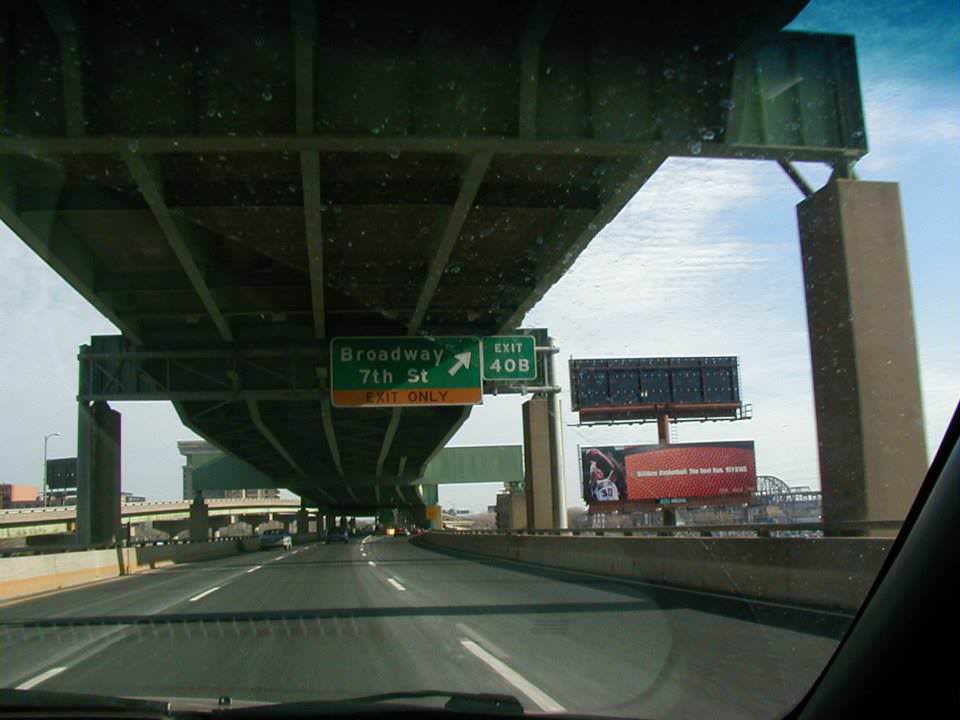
point(704, 260)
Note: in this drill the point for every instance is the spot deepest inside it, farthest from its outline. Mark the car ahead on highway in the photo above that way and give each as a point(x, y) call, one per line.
point(336, 535)
point(275, 537)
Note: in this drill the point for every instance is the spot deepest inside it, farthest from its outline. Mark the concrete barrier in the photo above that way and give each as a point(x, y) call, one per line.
point(150, 557)
point(833, 573)
point(249, 544)
point(33, 574)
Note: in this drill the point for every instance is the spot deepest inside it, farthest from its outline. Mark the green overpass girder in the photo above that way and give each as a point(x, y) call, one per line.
point(228, 472)
point(475, 464)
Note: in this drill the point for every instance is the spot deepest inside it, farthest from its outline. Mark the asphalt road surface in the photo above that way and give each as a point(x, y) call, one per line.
point(327, 622)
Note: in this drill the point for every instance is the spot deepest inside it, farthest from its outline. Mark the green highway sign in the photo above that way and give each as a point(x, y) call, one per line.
point(509, 357)
point(405, 371)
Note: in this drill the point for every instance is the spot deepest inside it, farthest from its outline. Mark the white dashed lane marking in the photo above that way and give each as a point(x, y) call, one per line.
point(204, 594)
point(34, 681)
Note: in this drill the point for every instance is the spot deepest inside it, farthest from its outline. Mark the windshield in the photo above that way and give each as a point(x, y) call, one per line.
point(587, 355)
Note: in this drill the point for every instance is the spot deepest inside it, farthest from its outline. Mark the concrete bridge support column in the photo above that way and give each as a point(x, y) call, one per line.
point(98, 474)
point(518, 511)
point(540, 475)
point(863, 348)
point(199, 519)
point(431, 499)
point(434, 517)
point(303, 521)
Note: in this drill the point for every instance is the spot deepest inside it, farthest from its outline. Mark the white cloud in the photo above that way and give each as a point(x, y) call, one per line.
point(671, 243)
point(703, 261)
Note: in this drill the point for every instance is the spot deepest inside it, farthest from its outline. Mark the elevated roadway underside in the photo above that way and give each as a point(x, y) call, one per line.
point(244, 185)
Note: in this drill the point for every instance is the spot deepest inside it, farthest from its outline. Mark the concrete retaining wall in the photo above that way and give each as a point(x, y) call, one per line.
point(150, 557)
point(826, 572)
point(33, 574)
point(21, 576)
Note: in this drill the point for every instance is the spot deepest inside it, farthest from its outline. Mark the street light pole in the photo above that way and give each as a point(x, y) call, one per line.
point(45, 439)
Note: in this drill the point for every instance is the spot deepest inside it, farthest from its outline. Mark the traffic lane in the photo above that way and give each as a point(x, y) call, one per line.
point(607, 646)
point(59, 628)
point(550, 631)
point(131, 593)
point(687, 640)
point(297, 581)
point(241, 643)
point(549, 634)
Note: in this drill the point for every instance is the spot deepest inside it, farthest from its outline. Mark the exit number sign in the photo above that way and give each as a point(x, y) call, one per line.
point(511, 357)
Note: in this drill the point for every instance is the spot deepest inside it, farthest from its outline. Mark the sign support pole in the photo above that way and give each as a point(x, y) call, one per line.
point(663, 438)
point(663, 429)
point(559, 491)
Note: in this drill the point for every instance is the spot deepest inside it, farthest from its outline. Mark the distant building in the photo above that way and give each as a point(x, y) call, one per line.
point(17, 496)
point(198, 453)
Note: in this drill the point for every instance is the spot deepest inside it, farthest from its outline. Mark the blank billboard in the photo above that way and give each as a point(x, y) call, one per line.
point(62, 473)
point(643, 388)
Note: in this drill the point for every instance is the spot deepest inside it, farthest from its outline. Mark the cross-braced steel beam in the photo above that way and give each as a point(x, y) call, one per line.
point(148, 179)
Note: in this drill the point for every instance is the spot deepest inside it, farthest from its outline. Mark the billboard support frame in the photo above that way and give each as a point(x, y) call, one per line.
point(746, 413)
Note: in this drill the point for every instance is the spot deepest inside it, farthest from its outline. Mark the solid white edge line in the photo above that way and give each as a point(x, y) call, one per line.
point(34, 681)
point(538, 696)
point(396, 585)
point(204, 593)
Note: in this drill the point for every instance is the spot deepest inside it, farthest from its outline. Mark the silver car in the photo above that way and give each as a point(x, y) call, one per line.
point(275, 537)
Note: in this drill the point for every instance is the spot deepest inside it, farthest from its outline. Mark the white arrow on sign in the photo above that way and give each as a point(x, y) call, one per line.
point(463, 361)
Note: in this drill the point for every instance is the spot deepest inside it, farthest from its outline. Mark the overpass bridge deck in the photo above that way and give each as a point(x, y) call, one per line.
point(209, 198)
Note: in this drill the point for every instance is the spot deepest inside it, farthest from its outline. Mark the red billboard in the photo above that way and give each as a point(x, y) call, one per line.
point(676, 473)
